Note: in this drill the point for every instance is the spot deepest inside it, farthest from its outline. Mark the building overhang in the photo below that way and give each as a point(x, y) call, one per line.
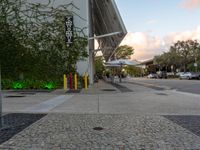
point(147, 62)
point(108, 26)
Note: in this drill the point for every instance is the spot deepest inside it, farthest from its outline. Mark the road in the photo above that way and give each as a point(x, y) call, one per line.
point(189, 86)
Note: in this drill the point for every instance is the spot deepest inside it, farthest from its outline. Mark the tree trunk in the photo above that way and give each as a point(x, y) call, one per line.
point(184, 67)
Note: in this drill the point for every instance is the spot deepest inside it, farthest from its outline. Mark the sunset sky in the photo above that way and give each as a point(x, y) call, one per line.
point(153, 25)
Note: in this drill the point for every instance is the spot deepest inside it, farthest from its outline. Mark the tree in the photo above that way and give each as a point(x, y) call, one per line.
point(134, 71)
point(182, 54)
point(99, 67)
point(187, 51)
point(174, 59)
point(124, 52)
point(168, 59)
point(162, 61)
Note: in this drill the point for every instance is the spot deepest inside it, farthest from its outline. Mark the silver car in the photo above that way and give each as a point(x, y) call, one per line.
point(190, 75)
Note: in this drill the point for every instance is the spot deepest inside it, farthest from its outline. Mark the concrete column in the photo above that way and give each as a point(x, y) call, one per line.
point(83, 65)
point(91, 67)
point(91, 42)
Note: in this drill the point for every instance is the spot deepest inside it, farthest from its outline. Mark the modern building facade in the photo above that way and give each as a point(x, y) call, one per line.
point(102, 23)
point(99, 20)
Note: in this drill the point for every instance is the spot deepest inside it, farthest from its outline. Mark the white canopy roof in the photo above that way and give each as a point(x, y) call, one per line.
point(121, 62)
point(107, 20)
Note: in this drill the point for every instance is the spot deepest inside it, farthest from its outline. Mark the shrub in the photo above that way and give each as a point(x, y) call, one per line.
point(30, 84)
point(18, 85)
point(6, 84)
point(48, 85)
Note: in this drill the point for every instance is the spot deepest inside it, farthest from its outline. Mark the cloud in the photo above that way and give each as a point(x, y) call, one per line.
point(182, 36)
point(190, 4)
point(147, 46)
point(151, 21)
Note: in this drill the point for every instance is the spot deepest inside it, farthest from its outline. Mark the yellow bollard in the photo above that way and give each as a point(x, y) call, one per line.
point(65, 82)
point(85, 79)
point(75, 82)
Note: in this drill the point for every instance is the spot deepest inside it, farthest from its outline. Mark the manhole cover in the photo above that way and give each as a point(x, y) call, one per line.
point(98, 128)
point(108, 90)
point(163, 94)
point(14, 96)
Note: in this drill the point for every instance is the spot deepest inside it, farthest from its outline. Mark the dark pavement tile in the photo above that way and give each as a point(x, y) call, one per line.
point(16, 122)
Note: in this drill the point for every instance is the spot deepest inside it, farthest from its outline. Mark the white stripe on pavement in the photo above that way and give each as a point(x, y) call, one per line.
point(49, 104)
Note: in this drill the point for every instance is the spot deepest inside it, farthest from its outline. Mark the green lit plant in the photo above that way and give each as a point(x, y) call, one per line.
point(30, 84)
point(17, 85)
point(48, 85)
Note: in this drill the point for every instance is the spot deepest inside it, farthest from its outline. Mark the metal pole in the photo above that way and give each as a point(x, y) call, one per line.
point(105, 35)
point(0, 101)
point(120, 76)
point(196, 64)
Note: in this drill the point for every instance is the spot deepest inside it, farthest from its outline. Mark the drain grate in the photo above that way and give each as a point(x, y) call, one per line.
point(27, 93)
point(121, 88)
point(98, 128)
point(31, 91)
point(109, 90)
point(73, 91)
point(14, 96)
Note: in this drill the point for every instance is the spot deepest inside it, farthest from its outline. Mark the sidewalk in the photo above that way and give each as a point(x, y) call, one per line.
point(103, 118)
point(100, 87)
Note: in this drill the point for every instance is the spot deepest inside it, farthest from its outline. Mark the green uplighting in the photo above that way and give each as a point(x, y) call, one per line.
point(17, 85)
point(49, 85)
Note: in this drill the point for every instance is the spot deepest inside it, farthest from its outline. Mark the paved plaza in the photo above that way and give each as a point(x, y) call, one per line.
point(119, 116)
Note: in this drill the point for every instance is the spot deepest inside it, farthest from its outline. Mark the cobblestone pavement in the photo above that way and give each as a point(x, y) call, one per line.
point(120, 132)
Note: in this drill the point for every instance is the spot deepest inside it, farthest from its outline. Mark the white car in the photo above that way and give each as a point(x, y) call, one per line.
point(190, 75)
point(179, 73)
point(152, 75)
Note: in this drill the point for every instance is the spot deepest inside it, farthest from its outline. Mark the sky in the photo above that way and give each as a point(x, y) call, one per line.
point(154, 25)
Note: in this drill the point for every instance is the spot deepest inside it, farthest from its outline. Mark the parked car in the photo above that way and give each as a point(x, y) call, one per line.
point(179, 73)
point(190, 75)
point(162, 74)
point(152, 75)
